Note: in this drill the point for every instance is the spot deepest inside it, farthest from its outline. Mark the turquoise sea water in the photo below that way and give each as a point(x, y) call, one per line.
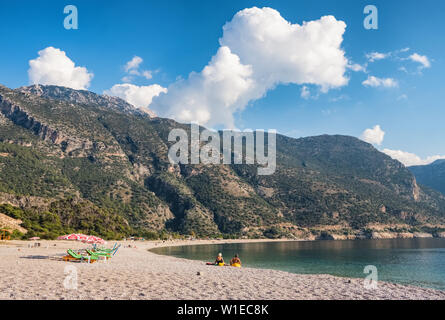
point(419, 262)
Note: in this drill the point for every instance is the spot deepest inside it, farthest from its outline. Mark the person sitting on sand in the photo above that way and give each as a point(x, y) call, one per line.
point(219, 259)
point(235, 260)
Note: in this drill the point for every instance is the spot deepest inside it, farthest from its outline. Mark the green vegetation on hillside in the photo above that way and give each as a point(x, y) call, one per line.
point(69, 216)
point(28, 172)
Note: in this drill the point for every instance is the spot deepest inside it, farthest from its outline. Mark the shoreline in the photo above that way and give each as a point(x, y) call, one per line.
point(172, 243)
point(136, 273)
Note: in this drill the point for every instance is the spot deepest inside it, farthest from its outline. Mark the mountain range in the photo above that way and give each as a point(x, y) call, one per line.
point(74, 160)
point(431, 175)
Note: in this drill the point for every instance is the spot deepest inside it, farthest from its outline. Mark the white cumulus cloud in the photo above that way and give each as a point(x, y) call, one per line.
point(139, 96)
point(423, 60)
point(147, 74)
point(282, 52)
point(411, 159)
point(357, 67)
point(259, 50)
point(132, 69)
point(53, 67)
point(380, 82)
point(133, 64)
point(212, 95)
point(374, 56)
point(374, 135)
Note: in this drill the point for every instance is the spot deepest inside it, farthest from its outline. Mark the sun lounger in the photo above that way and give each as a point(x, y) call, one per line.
point(98, 253)
point(74, 256)
point(109, 251)
point(96, 248)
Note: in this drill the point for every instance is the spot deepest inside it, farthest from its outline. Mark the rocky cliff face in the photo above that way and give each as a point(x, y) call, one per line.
point(82, 97)
point(23, 118)
point(432, 175)
point(71, 138)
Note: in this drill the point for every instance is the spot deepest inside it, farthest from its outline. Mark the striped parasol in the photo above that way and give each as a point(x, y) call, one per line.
point(94, 239)
point(82, 237)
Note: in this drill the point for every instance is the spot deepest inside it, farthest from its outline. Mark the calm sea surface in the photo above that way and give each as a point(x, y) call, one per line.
point(419, 262)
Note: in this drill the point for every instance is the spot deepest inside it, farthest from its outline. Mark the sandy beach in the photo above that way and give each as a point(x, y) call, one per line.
point(136, 273)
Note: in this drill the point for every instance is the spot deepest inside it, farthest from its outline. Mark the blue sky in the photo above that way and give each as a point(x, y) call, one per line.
point(175, 38)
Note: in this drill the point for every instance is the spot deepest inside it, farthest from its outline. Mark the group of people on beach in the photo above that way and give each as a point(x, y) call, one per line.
point(236, 262)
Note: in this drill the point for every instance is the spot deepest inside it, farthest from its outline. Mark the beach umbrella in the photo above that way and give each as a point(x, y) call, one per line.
point(81, 237)
point(94, 239)
point(73, 236)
